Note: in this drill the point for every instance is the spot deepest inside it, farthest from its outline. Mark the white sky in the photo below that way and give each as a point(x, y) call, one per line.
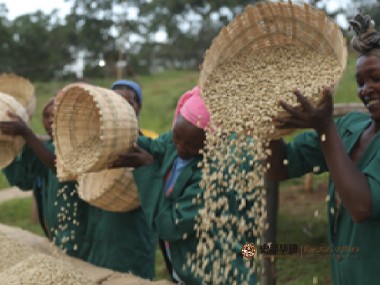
point(20, 7)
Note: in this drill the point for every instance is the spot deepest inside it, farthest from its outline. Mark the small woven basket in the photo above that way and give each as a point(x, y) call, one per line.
point(10, 146)
point(272, 25)
point(21, 89)
point(91, 127)
point(112, 190)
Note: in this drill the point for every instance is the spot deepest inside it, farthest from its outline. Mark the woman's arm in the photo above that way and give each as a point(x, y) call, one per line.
point(137, 157)
point(144, 152)
point(351, 184)
point(18, 127)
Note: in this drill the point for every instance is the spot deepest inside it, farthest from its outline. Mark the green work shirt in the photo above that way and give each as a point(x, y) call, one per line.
point(173, 217)
point(118, 241)
point(346, 236)
point(122, 242)
point(64, 213)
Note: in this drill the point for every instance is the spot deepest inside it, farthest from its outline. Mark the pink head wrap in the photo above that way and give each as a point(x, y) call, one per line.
point(193, 109)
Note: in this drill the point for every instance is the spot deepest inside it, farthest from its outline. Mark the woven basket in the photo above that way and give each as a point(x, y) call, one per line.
point(112, 190)
point(91, 127)
point(21, 89)
point(64, 174)
point(10, 146)
point(276, 24)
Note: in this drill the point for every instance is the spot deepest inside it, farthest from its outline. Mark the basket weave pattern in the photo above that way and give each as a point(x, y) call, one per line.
point(21, 89)
point(268, 25)
point(275, 24)
point(112, 190)
point(92, 126)
point(10, 146)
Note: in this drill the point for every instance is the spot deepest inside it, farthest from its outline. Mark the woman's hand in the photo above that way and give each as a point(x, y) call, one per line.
point(135, 158)
point(16, 127)
point(315, 117)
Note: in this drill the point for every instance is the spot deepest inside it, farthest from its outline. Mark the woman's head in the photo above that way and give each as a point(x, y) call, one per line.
point(366, 40)
point(367, 43)
point(190, 121)
point(48, 115)
point(131, 92)
point(188, 138)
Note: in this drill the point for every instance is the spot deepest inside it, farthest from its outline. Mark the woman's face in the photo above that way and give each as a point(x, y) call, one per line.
point(130, 97)
point(47, 118)
point(368, 83)
point(188, 139)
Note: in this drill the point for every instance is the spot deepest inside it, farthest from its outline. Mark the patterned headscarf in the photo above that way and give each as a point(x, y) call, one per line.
point(192, 107)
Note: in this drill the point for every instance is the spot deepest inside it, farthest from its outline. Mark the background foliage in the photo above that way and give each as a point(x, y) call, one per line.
point(132, 37)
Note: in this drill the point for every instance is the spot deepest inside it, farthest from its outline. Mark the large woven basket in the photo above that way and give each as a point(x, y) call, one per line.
point(112, 190)
point(91, 127)
point(21, 89)
point(275, 24)
point(10, 146)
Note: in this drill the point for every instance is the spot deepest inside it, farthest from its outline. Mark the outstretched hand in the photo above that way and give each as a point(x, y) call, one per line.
point(16, 127)
point(309, 116)
point(135, 158)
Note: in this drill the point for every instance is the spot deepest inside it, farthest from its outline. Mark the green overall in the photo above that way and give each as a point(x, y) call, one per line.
point(355, 255)
point(118, 241)
point(62, 210)
point(122, 242)
point(173, 217)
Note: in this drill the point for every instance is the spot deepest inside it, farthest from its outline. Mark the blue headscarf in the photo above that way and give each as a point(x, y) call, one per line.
point(131, 84)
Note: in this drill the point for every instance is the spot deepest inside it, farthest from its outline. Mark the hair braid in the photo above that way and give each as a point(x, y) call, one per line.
point(367, 39)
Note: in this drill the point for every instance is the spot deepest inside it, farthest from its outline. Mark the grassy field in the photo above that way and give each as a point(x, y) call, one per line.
point(302, 216)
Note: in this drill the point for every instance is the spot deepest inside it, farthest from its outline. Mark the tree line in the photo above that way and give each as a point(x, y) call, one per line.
point(135, 36)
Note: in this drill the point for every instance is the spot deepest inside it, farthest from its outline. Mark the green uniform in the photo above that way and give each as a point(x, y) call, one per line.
point(119, 241)
point(122, 242)
point(346, 236)
point(62, 209)
point(173, 217)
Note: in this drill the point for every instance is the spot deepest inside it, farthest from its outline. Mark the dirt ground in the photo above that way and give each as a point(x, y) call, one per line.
point(295, 199)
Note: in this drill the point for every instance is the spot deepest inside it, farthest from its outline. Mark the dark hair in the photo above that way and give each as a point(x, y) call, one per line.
point(49, 103)
point(124, 87)
point(367, 39)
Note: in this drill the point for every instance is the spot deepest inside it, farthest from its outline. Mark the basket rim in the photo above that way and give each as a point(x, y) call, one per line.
point(341, 57)
point(105, 103)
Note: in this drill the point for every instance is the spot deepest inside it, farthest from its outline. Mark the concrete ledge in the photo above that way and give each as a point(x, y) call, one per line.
point(98, 275)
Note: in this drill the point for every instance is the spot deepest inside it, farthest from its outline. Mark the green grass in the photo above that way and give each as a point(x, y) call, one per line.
point(297, 224)
point(161, 272)
point(160, 95)
point(3, 181)
point(346, 91)
point(17, 213)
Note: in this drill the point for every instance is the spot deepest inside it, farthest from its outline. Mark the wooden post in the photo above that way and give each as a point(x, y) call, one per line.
point(308, 182)
point(268, 277)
